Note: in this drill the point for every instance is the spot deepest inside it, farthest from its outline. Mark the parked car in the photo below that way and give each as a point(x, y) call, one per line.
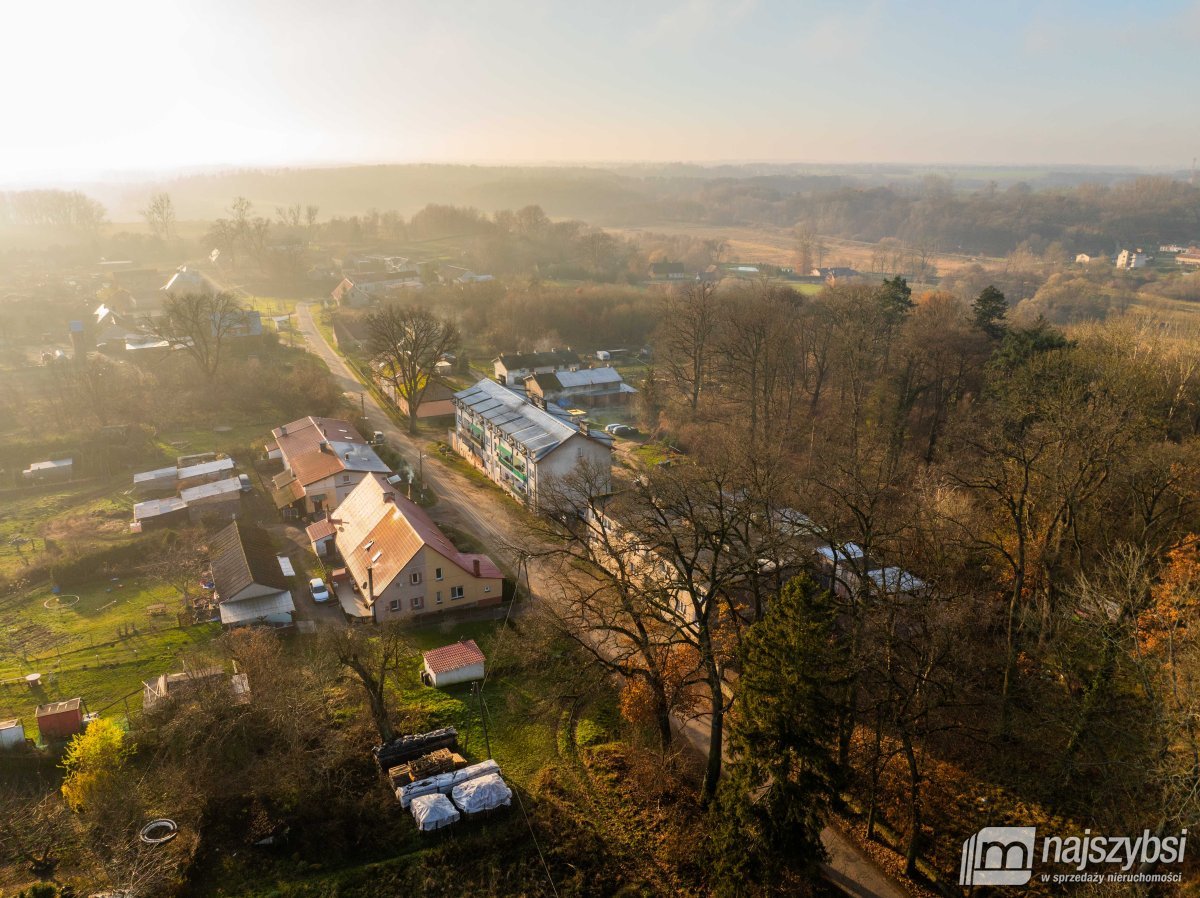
point(612, 428)
point(377, 438)
point(623, 430)
point(320, 592)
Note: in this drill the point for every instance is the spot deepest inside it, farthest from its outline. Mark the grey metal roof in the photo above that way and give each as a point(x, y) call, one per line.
point(217, 488)
point(205, 468)
point(539, 430)
point(153, 508)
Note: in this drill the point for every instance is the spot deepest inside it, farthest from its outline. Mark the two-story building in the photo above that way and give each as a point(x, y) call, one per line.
point(524, 444)
point(511, 368)
point(399, 561)
point(323, 460)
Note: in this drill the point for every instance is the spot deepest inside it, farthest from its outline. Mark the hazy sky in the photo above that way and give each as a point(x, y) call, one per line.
point(133, 85)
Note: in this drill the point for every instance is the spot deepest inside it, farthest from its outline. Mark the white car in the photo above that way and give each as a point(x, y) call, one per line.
point(320, 592)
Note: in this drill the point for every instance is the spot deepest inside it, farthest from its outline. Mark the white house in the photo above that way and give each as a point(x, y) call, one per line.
point(323, 460)
point(523, 446)
point(1131, 259)
point(450, 664)
point(511, 368)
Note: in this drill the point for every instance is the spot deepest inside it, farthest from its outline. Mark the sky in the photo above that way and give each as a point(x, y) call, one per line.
point(137, 86)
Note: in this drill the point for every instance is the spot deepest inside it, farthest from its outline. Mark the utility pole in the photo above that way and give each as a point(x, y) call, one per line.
point(482, 716)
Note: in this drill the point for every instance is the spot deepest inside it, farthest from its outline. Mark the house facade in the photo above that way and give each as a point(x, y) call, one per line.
point(400, 563)
point(523, 444)
point(511, 368)
point(1131, 259)
point(324, 459)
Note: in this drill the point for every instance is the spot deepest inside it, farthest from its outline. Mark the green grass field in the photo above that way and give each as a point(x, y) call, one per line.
point(100, 646)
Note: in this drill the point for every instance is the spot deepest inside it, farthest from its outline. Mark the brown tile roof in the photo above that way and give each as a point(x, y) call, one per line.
point(386, 533)
point(316, 465)
point(241, 556)
point(306, 434)
point(320, 530)
point(452, 657)
point(287, 492)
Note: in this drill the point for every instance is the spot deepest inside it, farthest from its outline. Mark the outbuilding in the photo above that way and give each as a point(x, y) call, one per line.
point(12, 734)
point(60, 720)
point(450, 664)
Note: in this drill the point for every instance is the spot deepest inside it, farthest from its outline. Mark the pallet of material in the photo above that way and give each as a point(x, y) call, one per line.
point(406, 748)
point(441, 761)
point(444, 782)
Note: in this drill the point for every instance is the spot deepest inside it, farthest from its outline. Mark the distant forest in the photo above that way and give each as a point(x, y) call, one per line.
point(972, 211)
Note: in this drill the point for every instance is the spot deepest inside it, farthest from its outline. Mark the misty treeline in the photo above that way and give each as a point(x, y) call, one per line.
point(1040, 485)
point(63, 211)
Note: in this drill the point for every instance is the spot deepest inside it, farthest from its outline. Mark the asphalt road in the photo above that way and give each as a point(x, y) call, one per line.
point(478, 510)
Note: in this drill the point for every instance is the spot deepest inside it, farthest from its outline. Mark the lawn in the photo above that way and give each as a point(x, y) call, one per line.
point(100, 647)
point(228, 437)
point(86, 515)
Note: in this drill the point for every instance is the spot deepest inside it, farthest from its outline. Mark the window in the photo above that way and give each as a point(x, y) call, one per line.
point(345, 478)
point(417, 603)
point(395, 606)
point(456, 592)
point(437, 573)
point(439, 597)
point(415, 577)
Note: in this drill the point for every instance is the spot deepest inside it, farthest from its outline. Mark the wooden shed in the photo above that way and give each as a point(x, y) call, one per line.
point(60, 720)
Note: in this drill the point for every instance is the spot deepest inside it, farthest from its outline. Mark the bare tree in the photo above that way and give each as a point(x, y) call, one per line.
point(370, 658)
point(160, 215)
point(406, 343)
point(686, 340)
point(199, 324)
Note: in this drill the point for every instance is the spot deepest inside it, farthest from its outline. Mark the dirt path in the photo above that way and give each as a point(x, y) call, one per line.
point(479, 510)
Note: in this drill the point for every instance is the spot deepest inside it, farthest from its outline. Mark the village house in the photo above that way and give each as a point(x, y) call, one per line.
point(1128, 260)
point(364, 289)
point(834, 273)
point(248, 579)
point(436, 402)
point(511, 368)
point(586, 388)
point(1190, 257)
point(187, 280)
point(667, 271)
point(323, 460)
point(399, 562)
point(522, 443)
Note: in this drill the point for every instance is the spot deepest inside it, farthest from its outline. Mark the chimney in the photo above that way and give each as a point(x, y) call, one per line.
point(389, 496)
point(475, 566)
point(324, 446)
point(583, 427)
point(371, 586)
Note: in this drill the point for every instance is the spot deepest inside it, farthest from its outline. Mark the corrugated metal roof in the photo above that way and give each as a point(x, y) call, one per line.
point(216, 488)
point(256, 608)
point(153, 508)
point(539, 430)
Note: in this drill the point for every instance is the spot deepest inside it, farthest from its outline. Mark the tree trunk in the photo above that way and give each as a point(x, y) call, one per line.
point(712, 773)
point(914, 808)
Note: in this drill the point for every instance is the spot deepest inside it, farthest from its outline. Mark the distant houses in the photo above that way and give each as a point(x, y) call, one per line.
point(323, 460)
point(1128, 260)
point(523, 443)
point(187, 280)
point(248, 579)
point(668, 271)
point(1189, 258)
point(586, 388)
point(511, 368)
point(399, 562)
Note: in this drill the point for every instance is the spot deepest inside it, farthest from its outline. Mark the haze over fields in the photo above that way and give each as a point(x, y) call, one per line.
point(140, 85)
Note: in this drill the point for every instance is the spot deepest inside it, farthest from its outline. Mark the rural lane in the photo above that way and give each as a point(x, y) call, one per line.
point(479, 511)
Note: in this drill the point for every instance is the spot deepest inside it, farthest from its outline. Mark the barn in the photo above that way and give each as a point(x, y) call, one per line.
point(461, 662)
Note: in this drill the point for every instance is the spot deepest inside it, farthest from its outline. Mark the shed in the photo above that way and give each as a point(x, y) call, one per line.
point(450, 664)
point(45, 471)
point(12, 734)
point(60, 720)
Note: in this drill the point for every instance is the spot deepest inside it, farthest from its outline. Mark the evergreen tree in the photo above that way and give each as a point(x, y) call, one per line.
point(783, 777)
point(896, 297)
point(989, 310)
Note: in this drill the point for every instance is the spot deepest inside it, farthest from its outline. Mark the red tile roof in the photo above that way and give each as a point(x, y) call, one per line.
point(452, 657)
point(320, 530)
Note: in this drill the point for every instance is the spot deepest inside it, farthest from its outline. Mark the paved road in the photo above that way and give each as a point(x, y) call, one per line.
point(477, 510)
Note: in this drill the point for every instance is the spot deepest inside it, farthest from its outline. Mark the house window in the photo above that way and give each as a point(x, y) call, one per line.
point(415, 577)
point(439, 597)
point(417, 603)
point(395, 606)
point(456, 592)
point(345, 478)
point(437, 573)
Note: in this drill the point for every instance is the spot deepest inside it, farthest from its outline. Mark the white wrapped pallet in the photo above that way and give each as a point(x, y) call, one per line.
point(483, 793)
point(444, 782)
point(433, 812)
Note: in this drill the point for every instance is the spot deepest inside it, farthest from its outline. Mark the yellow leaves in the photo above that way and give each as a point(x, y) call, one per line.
point(93, 760)
point(1175, 597)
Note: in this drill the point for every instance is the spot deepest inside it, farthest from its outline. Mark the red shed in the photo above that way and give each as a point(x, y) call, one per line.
point(60, 720)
